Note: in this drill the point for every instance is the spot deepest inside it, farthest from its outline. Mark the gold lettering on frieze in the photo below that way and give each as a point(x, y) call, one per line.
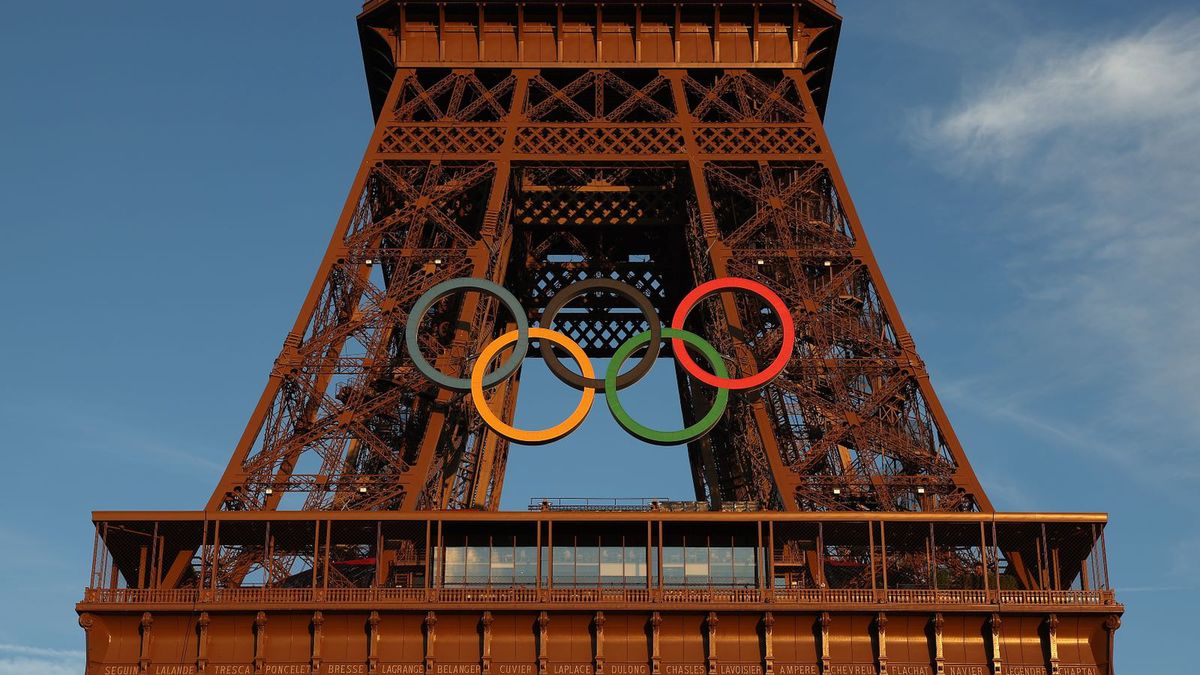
point(288, 669)
point(570, 669)
point(457, 669)
point(1025, 670)
point(343, 669)
point(1077, 670)
point(852, 669)
point(230, 669)
point(796, 669)
point(513, 668)
point(739, 669)
point(908, 669)
point(400, 669)
point(120, 670)
point(175, 669)
point(626, 668)
point(966, 670)
point(683, 669)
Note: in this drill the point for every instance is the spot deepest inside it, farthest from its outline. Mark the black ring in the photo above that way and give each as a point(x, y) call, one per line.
point(622, 289)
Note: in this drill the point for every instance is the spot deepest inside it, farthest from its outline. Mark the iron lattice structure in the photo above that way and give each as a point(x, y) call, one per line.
point(554, 144)
point(837, 527)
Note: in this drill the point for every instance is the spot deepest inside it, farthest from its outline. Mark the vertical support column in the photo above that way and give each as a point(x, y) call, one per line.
point(825, 620)
point(1052, 639)
point(430, 642)
point(146, 624)
point(87, 622)
point(656, 643)
point(543, 622)
point(489, 256)
point(768, 643)
point(598, 660)
point(260, 641)
point(881, 622)
point(1111, 624)
point(373, 642)
point(486, 622)
point(318, 638)
point(964, 475)
point(710, 622)
point(202, 624)
point(997, 667)
point(234, 475)
point(719, 255)
point(939, 645)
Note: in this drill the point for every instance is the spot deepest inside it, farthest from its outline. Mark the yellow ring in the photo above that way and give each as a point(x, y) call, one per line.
point(536, 437)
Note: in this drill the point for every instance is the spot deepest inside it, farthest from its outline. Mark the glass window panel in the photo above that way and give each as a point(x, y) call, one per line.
point(696, 567)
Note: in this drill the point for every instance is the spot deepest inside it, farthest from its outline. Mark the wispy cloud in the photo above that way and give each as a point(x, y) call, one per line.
point(1097, 143)
point(24, 660)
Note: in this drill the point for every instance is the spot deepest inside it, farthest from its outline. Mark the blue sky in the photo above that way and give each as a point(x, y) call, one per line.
point(1027, 173)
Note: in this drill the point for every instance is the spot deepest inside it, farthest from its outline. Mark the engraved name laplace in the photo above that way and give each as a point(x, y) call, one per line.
point(571, 669)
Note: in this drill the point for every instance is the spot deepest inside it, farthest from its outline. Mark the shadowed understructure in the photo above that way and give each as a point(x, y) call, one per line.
point(836, 526)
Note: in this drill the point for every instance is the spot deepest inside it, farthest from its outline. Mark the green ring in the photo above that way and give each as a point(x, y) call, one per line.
point(686, 435)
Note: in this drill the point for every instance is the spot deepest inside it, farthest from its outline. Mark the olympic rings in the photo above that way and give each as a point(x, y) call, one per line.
point(687, 434)
point(723, 381)
point(446, 288)
point(512, 433)
point(587, 382)
point(624, 290)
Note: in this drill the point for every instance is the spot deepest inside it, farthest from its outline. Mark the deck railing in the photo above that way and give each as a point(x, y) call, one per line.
point(399, 597)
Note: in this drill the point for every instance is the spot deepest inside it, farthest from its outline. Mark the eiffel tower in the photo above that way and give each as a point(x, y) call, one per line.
point(617, 174)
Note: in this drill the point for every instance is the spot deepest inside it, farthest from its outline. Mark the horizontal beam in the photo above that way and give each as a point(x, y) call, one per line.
point(616, 516)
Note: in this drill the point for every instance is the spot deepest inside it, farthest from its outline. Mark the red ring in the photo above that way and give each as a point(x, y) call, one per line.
point(734, 283)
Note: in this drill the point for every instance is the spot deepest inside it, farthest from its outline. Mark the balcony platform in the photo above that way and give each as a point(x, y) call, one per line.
point(623, 592)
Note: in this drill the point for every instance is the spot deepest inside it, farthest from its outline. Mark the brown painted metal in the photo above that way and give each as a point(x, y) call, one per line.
point(351, 592)
point(570, 137)
point(838, 527)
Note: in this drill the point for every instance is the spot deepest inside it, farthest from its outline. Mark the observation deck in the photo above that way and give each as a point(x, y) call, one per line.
point(586, 591)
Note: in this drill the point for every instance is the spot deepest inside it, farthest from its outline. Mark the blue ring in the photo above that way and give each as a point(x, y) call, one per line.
point(446, 288)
